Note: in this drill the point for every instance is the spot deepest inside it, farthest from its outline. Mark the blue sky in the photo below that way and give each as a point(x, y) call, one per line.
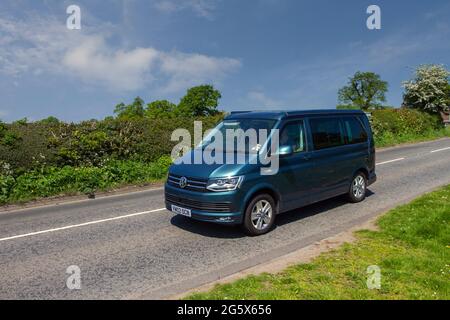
point(261, 54)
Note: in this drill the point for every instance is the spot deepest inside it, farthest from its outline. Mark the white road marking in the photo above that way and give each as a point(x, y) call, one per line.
point(80, 225)
point(63, 203)
point(439, 150)
point(390, 161)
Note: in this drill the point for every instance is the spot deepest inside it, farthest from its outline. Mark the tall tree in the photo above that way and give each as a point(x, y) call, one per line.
point(429, 90)
point(131, 111)
point(448, 96)
point(2, 129)
point(160, 108)
point(50, 120)
point(200, 101)
point(364, 90)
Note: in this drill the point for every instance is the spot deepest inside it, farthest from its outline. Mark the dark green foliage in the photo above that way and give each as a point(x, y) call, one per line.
point(7, 138)
point(364, 90)
point(132, 111)
point(91, 143)
point(200, 101)
point(161, 109)
point(447, 90)
point(50, 120)
point(22, 144)
point(22, 122)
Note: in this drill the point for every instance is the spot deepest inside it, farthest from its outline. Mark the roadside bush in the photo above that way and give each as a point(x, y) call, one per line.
point(92, 143)
point(6, 187)
point(399, 125)
point(29, 147)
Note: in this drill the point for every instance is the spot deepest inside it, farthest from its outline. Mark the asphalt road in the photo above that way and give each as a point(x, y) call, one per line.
point(129, 246)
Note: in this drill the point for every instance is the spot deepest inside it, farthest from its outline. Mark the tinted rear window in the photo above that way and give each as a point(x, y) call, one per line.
point(326, 133)
point(354, 130)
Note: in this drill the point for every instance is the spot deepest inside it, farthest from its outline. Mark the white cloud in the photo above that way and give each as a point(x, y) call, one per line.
point(202, 8)
point(40, 46)
point(93, 61)
point(185, 70)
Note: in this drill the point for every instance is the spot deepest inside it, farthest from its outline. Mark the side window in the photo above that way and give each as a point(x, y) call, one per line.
point(293, 134)
point(326, 133)
point(354, 130)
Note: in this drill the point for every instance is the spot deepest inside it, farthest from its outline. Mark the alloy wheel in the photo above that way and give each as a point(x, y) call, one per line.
point(261, 214)
point(358, 187)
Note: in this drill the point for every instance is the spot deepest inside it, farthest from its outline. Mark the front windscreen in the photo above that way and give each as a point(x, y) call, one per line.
point(245, 135)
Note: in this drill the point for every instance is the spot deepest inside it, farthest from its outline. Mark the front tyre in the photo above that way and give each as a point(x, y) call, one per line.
point(358, 188)
point(259, 215)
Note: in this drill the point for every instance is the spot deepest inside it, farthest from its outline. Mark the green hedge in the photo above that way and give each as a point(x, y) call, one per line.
point(401, 121)
point(91, 143)
point(393, 126)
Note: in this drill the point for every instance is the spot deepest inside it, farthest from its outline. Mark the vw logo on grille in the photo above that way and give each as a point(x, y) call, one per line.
point(183, 182)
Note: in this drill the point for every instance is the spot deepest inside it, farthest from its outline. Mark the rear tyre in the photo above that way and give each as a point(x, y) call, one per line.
point(358, 188)
point(259, 215)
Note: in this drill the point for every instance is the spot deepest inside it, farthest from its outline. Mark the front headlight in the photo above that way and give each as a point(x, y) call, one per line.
point(224, 184)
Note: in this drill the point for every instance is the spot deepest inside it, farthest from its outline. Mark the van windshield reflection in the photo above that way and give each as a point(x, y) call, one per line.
point(242, 136)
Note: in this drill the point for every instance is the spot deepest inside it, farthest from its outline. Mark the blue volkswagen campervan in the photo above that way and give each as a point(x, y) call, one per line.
point(321, 154)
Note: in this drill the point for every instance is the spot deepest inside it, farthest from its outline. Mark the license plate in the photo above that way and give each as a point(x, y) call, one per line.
point(182, 211)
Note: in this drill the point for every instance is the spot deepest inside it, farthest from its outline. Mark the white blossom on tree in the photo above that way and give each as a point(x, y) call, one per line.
point(429, 90)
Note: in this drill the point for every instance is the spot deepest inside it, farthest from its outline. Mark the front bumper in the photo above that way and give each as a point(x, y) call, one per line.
point(220, 207)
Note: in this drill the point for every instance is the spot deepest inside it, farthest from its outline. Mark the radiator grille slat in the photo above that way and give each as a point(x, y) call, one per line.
point(198, 205)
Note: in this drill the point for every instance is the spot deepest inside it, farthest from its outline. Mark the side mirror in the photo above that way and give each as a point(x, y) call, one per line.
point(285, 151)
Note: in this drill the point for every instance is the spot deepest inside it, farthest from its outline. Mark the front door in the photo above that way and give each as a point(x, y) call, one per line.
point(294, 176)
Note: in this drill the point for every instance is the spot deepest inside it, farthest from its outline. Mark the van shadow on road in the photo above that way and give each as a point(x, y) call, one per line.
point(213, 230)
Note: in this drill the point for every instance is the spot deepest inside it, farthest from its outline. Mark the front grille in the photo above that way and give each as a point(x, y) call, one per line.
point(193, 184)
point(198, 205)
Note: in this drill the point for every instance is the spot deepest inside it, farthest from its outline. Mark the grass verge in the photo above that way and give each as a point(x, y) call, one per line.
point(411, 247)
point(51, 181)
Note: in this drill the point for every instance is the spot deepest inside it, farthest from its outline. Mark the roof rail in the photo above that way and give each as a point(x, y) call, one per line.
point(269, 111)
point(238, 112)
